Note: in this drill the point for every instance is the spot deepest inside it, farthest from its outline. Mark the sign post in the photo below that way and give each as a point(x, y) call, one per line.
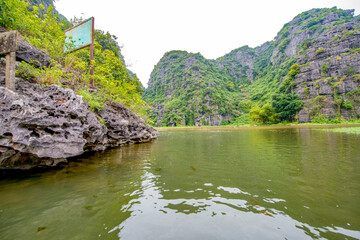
point(9, 44)
point(92, 53)
point(79, 37)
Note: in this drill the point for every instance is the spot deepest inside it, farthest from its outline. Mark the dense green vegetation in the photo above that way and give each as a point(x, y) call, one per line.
point(113, 82)
point(351, 130)
point(246, 85)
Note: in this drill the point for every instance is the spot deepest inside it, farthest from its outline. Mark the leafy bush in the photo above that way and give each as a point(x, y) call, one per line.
point(94, 99)
point(288, 84)
point(286, 106)
point(27, 72)
point(242, 119)
point(306, 44)
point(294, 70)
point(263, 115)
point(349, 71)
point(324, 68)
point(319, 51)
point(307, 91)
point(347, 105)
point(282, 46)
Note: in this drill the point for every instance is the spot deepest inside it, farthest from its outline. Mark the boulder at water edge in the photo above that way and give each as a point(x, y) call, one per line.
point(43, 126)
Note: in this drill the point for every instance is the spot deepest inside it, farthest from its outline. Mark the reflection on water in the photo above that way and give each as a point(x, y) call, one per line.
point(248, 184)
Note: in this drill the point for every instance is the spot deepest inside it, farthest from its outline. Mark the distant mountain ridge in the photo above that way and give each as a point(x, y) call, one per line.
point(187, 89)
point(46, 4)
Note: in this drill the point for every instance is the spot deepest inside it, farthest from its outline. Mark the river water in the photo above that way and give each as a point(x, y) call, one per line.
point(214, 184)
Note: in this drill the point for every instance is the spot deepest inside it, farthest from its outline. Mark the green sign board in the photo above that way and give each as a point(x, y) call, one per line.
point(79, 36)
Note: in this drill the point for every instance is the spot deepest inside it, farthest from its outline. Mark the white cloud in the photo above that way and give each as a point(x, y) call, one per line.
point(148, 29)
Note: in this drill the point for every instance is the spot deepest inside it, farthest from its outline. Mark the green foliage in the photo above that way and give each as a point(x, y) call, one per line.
point(347, 105)
point(307, 91)
point(197, 89)
point(43, 76)
point(314, 28)
point(27, 72)
point(316, 104)
point(306, 44)
point(319, 51)
point(112, 80)
point(263, 115)
point(242, 119)
point(102, 121)
point(294, 70)
point(94, 99)
point(351, 130)
point(324, 68)
point(282, 46)
point(44, 31)
point(355, 50)
point(286, 106)
point(107, 41)
point(336, 38)
point(349, 71)
point(349, 33)
point(321, 119)
point(193, 87)
point(288, 84)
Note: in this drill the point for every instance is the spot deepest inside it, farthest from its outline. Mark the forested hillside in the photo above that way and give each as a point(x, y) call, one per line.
point(311, 67)
point(41, 26)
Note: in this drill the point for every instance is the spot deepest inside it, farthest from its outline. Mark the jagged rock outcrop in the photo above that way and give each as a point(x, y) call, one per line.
point(124, 126)
point(329, 77)
point(45, 126)
point(31, 54)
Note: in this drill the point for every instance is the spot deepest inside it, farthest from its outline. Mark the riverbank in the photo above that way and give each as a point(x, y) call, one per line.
point(45, 126)
point(251, 127)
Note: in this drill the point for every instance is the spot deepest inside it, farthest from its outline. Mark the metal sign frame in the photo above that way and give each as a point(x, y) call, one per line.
point(91, 44)
point(71, 32)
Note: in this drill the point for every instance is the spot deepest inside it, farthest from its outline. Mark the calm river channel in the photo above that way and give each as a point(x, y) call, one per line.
point(190, 184)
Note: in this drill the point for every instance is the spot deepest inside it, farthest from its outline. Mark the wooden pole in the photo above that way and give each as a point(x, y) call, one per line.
point(10, 71)
point(92, 53)
point(9, 44)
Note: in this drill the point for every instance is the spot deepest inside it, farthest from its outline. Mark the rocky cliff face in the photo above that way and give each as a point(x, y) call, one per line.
point(324, 42)
point(187, 90)
point(46, 4)
point(43, 126)
point(329, 76)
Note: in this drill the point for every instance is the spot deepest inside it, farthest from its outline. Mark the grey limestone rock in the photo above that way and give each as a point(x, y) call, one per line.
point(31, 54)
point(45, 126)
point(336, 52)
point(124, 126)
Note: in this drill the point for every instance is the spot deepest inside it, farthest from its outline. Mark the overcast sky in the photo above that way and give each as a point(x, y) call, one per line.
point(149, 28)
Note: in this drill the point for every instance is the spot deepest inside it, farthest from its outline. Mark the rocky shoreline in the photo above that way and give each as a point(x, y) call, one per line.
point(45, 126)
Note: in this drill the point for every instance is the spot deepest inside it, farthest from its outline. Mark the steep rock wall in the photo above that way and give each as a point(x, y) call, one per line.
point(329, 76)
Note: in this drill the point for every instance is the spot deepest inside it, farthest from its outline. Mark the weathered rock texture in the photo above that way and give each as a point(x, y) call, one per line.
point(45, 126)
point(329, 78)
point(31, 54)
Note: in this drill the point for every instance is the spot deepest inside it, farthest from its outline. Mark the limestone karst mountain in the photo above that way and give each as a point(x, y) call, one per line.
point(322, 45)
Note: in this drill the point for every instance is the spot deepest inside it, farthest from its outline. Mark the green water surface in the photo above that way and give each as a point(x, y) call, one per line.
point(214, 184)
